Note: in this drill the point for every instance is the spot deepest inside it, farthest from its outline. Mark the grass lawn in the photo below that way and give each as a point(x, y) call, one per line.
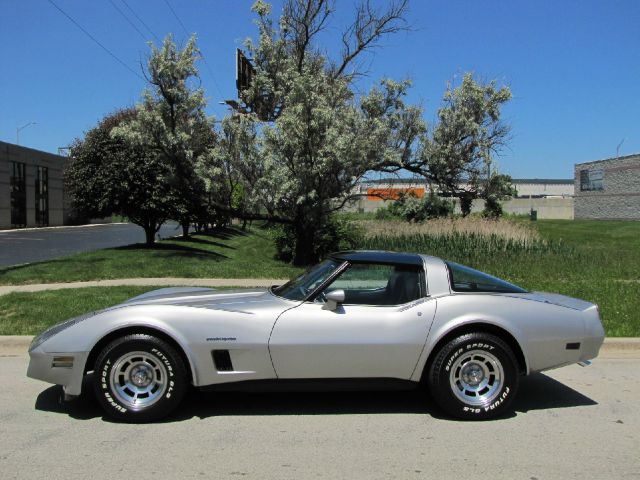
point(599, 262)
point(228, 253)
point(31, 313)
point(604, 269)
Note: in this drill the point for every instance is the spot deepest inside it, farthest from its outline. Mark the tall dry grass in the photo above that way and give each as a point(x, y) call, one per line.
point(505, 229)
point(471, 240)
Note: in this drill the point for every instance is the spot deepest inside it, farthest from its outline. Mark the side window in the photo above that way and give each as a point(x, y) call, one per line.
point(465, 279)
point(375, 284)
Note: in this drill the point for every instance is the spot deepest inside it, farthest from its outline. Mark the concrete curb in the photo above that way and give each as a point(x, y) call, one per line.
point(621, 347)
point(613, 348)
point(147, 282)
point(60, 227)
point(13, 345)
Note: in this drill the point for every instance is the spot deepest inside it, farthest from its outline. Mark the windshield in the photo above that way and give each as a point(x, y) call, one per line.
point(465, 279)
point(300, 287)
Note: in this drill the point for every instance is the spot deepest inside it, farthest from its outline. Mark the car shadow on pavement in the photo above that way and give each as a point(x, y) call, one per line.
point(537, 392)
point(540, 392)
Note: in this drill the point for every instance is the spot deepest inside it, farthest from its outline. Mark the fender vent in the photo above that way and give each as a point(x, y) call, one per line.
point(222, 360)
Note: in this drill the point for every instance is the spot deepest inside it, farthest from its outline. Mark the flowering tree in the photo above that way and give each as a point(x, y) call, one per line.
point(458, 154)
point(171, 123)
point(319, 137)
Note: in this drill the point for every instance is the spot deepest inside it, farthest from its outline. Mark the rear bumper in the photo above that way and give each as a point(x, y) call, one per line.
point(41, 367)
point(593, 337)
point(550, 354)
point(590, 347)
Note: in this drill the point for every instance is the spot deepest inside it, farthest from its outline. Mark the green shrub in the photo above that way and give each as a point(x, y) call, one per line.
point(492, 208)
point(387, 213)
point(335, 235)
point(284, 240)
point(413, 209)
point(433, 206)
point(500, 187)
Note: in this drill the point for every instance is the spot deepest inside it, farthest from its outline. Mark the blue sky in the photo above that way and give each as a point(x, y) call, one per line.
point(573, 66)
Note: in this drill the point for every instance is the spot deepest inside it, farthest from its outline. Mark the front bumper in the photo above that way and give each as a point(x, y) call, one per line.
point(41, 367)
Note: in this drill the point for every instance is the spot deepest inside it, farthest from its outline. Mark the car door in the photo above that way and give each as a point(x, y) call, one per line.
point(378, 332)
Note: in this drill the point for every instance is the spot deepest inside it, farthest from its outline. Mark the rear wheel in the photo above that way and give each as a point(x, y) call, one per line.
point(139, 378)
point(474, 376)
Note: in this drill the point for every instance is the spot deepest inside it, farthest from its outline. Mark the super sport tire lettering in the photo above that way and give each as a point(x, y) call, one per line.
point(174, 366)
point(439, 371)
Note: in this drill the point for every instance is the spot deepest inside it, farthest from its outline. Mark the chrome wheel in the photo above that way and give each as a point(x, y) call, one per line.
point(476, 378)
point(138, 380)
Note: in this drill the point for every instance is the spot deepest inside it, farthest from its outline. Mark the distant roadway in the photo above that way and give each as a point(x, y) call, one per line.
point(35, 245)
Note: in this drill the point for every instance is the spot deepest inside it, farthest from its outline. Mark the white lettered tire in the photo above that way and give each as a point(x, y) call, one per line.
point(474, 376)
point(139, 378)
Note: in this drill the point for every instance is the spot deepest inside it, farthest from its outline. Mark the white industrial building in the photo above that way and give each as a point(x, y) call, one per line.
point(550, 198)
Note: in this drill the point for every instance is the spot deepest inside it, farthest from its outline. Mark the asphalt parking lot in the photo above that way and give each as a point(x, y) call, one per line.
point(569, 423)
point(35, 245)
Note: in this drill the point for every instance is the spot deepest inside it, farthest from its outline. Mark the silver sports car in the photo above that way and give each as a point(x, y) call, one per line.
point(359, 319)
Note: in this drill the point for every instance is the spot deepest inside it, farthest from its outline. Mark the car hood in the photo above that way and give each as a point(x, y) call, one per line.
point(555, 299)
point(237, 300)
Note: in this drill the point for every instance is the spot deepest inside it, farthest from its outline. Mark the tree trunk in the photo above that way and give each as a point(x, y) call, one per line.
point(185, 230)
point(466, 201)
point(150, 235)
point(303, 254)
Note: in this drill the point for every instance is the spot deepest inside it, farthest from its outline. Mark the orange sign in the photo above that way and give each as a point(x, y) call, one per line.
point(392, 193)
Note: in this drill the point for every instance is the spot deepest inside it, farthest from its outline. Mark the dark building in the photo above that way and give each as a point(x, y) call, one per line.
point(31, 187)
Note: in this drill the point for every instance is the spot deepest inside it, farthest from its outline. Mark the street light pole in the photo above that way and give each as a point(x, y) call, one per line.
point(618, 148)
point(19, 129)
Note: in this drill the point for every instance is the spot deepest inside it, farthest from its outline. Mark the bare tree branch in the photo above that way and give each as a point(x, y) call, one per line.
point(305, 18)
point(367, 29)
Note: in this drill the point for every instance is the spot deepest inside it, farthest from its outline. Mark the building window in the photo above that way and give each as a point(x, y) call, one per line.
point(42, 197)
point(18, 187)
point(592, 179)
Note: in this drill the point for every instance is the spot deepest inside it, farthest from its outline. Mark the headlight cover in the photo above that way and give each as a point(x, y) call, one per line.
point(57, 328)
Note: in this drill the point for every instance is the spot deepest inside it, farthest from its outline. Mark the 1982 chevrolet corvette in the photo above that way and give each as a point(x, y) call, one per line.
point(359, 319)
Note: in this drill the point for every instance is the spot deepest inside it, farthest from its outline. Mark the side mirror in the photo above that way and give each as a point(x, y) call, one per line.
point(334, 298)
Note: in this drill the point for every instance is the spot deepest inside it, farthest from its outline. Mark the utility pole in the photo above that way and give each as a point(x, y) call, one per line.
point(618, 148)
point(19, 129)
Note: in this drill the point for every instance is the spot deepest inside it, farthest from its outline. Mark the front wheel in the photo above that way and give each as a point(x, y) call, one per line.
point(474, 376)
point(139, 378)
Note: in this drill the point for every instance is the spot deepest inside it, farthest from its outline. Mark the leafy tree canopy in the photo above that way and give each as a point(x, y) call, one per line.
point(108, 175)
point(320, 137)
point(172, 124)
point(457, 154)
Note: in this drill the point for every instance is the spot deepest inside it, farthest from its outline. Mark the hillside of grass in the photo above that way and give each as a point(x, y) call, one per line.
point(598, 261)
point(31, 313)
point(224, 253)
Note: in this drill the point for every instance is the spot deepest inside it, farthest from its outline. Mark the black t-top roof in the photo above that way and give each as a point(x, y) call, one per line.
point(379, 256)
